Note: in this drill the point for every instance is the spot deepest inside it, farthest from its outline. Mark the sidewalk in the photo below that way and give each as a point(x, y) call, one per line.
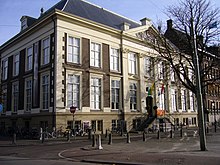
point(165, 151)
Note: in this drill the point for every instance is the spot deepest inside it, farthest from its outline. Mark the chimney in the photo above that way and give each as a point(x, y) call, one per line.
point(125, 26)
point(145, 21)
point(169, 24)
point(41, 11)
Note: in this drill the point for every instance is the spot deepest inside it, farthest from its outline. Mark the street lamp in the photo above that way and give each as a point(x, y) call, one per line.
point(213, 109)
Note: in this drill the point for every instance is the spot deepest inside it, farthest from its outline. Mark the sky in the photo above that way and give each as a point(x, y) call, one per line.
point(12, 10)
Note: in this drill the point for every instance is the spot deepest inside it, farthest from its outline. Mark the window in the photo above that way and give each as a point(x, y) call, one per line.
point(73, 50)
point(73, 95)
point(46, 51)
point(148, 66)
point(45, 92)
point(192, 101)
point(172, 74)
point(28, 91)
point(190, 74)
point(96, 93)
point(132, 57)
point(115, 91)
point(15, 96)
point(4, 98)
point(161, 99)
point(133, 96)
point(95, 55)
point(29, 59)
point(114, 59)
point(183, 98)
point(23, 24)
point(100, 125)
point(161, 70)
point(182, 73)
point(173, 100)
point(5, 69)
point(16, 65)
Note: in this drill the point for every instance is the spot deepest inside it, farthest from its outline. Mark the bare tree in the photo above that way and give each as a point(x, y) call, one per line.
point(192, 29)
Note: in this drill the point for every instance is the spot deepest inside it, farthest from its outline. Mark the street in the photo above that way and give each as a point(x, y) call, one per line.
point(164, 151)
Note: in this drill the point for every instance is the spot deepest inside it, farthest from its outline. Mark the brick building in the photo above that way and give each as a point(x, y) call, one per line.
point(79, 54)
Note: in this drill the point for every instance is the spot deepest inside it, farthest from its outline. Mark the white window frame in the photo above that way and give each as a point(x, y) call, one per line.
point(74, 49)
point(115, 94)
point(182, 74)
point(132, 61)
point(190, 74)
point(192, 101)
point(29, 58)
point(148, 67)
point(95, 54)
point(172, 74)
point(161, 99)
point(15, 97)
point(95, 93)
point(45, 51)
point(183, 100)
point(16, 61)
point(73, 91)
point(28, 94)
point(114, 59)
point(173, 100)
point(161, 70)
point(5, 69)
point(133, 90)
point(45, 91)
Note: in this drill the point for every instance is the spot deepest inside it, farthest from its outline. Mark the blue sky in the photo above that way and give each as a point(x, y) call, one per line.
point(12, 10)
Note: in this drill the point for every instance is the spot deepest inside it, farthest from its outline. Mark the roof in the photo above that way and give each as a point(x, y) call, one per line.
point(85, 10)
point(93, 12)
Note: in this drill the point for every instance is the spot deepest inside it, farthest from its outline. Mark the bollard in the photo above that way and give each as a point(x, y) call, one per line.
point(158, 134)
point(106, 133)
point(215, 125)
point(181, 130)
point(171, 134)
point(93, 140)
point(144, 137)
point(14, 138)
point(41, 131)
point(42, 139)
point(128, 138)
point(110, 139)
point(122, 132)
point(207, 129)
point(100, 142)
point(89, 134)
point(68, 136)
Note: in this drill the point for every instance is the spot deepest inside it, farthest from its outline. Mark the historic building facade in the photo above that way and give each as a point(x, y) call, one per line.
point(78, 54)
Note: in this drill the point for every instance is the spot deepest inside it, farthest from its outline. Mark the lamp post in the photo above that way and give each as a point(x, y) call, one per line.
point(198, 90)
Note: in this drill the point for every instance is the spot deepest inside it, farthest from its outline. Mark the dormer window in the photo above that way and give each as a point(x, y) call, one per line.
point(23, 22)
point(26, 21)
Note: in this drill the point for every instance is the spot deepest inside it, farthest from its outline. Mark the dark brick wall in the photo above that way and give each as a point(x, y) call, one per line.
point(85, 75)
point(106, 80)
